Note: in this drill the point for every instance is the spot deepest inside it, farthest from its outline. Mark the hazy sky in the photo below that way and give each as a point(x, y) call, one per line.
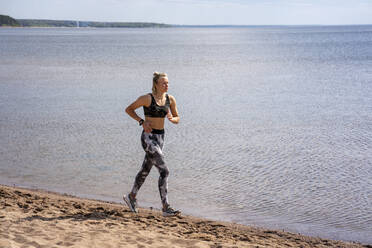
point(245, 12)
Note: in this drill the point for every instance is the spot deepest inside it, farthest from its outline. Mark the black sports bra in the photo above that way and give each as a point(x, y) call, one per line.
point(154, 110)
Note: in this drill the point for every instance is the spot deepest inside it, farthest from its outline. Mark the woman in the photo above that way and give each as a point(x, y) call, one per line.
point(156, 107)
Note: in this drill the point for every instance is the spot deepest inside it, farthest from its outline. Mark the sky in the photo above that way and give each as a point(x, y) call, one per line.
point(196, 12)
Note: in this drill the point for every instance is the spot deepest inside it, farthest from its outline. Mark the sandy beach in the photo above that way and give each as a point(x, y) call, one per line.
point(35, 218)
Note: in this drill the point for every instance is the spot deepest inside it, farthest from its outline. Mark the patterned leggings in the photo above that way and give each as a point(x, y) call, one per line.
point(152, 143)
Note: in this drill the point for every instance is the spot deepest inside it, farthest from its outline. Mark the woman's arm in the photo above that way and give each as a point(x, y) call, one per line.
point(130, 110)
point(173, 113)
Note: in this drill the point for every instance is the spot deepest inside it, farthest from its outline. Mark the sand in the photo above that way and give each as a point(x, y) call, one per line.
point(35, 218)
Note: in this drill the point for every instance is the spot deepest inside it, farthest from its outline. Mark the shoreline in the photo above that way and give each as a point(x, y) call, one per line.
point(40, 218)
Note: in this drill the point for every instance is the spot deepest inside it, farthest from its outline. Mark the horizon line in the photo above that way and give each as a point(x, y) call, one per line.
point(203, 25)
point(198, 25)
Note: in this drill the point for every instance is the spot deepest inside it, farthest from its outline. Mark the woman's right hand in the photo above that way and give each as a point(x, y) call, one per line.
point(147, 127)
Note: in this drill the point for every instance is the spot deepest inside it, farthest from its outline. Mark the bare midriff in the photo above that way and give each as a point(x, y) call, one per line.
point(155, 122)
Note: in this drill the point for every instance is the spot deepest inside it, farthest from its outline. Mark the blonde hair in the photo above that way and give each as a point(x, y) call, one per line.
point(156, 76)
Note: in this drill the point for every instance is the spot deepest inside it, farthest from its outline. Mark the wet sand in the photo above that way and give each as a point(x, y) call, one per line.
point(35, 218)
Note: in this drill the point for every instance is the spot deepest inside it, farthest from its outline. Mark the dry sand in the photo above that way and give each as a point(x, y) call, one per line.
point(34, 218)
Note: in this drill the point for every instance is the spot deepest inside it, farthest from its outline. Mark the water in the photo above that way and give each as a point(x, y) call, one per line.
point(275, 131)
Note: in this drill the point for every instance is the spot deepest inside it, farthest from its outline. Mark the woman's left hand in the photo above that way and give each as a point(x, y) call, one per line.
point(173, 119)
point(170, 116)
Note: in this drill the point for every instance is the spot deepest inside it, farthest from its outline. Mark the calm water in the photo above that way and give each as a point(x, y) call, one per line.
point(276, 126)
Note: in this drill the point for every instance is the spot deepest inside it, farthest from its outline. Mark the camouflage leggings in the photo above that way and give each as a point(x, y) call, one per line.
point(152, 143)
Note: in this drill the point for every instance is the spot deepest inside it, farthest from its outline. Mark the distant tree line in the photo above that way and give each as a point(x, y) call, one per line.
point(122, 24)
point(9, 21)
point(45, 23)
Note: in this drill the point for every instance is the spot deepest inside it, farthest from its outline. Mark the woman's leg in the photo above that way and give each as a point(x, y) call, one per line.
point(146, 165)
point(163, 182)
point(153, 145)
point(163, 170)
point(141, 175)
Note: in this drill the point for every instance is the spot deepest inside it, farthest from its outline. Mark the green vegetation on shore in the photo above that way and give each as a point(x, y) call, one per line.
point(122, 24)
point(45, 23)
point(9, 21)
point(55, 23)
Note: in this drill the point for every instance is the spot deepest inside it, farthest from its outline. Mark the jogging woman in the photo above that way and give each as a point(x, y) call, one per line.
point(156, 106)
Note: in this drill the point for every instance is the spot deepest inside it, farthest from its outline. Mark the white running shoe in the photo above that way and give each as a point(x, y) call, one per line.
point(170, 212)
point(132, 204)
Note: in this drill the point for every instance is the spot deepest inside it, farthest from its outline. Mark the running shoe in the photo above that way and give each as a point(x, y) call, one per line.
point(170, 212)
point(132, 204)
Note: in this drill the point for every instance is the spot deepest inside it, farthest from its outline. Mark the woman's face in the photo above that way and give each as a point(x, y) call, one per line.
point(162, 84)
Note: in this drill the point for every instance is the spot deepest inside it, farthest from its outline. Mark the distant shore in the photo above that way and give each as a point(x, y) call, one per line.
point(37, 218)
point(7, 21)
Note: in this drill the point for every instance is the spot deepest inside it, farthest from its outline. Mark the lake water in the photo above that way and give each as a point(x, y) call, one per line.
point(275, 131)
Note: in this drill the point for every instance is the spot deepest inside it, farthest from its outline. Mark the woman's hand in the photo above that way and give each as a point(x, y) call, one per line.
point(147, 126)
point(172, 119)
point(169, 116)
point(172, 114)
